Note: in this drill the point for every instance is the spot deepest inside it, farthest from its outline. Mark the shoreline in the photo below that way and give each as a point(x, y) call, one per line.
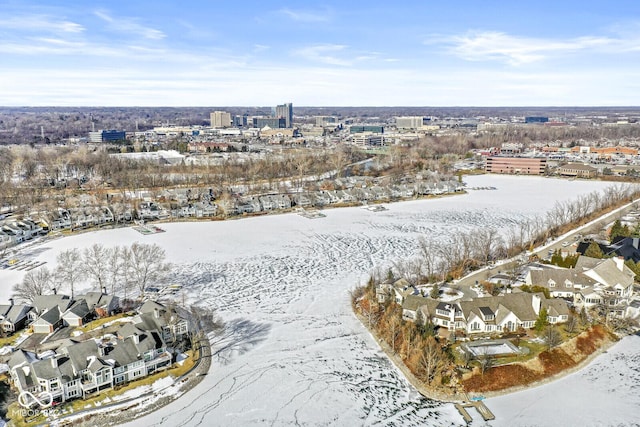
point(457, 397)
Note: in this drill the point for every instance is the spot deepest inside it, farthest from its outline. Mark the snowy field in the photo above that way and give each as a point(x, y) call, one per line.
point(293, 353)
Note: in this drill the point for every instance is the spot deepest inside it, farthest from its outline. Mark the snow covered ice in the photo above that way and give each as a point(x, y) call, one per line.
point(293, 353)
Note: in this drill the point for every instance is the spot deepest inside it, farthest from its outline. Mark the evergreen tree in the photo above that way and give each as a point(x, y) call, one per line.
point(619, 230)
point(594, 251)
point(435, 292)
point(542, 321)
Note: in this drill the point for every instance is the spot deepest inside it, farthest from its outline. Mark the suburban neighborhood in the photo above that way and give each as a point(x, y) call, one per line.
point(59, 355)
point(593, 283)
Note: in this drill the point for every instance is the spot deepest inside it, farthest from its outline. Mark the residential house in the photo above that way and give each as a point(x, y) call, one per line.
point(561, 282)
point(102, 303)
point(496, 314)
point(48, 321)
point(155, 316)
point(617, 283)
point(14, 317)
point(81, 369)
point(321, 198)
point(77, 314)
point(302, 200)
point(42, 303)
point(268, 203)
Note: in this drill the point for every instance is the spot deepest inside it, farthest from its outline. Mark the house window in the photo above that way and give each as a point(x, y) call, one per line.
point(475, 326)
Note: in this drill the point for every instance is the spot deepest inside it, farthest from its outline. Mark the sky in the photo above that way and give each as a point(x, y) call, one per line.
point(320, 53)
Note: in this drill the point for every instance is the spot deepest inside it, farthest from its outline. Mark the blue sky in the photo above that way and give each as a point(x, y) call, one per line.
point(331, 53)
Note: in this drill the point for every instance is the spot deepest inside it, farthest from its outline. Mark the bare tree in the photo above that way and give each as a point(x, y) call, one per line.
point(432, 360)
point(395, 329)
point(94, 258)
point(114, 265)
point(34, 283)
point(571, 323)
point(428, 256)
point(69, 270)
point(552, 337)
point(485, 361)
point(146, 265)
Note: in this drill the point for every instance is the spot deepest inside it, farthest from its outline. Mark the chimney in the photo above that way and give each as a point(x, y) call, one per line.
point(104, 290)
point(536, 303)
point(135, 338)
point(636, 242)
point(619, 262)
point(54, 291)
point(156, 313)
point(10, 301)
point(54, 362)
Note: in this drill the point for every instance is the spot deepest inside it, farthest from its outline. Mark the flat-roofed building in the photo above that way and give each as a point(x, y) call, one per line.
point(220, 119)
point(409, 122)
point(107, 136)
point(516, 165)
point(285, 111)
point(578, 170)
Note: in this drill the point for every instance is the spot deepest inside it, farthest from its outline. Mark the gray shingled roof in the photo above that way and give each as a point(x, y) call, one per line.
point(124, 352)
point(586, 263)
point(413, 302)
point(556, 307)
point(611, 274)
point(43, 302)
point(560, 276)
point(14, 312)
point(51, 316)
point(79, 308)
point(82, 353)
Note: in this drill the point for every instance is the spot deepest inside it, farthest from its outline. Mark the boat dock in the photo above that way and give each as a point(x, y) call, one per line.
point(482, 409)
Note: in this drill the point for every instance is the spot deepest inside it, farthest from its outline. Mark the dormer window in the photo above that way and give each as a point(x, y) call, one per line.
point(487, 313)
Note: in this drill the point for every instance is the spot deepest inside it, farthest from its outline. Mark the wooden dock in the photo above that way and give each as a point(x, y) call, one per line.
point(482, 409)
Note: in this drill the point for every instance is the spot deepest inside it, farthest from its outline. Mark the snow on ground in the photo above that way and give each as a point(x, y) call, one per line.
point(292, 352)
point(605, 393)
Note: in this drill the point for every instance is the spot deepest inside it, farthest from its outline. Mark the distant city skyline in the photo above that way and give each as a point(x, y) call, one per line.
point(403, 53)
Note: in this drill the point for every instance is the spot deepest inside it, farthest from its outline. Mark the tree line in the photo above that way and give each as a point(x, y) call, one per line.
point(125, 270)
point(464, 251)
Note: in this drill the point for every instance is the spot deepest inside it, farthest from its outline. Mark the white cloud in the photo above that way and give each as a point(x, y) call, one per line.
point(515, 50)
point(324, 53)
point(305, 15)
point(260, 48)
point(130, 26)
point(334, 54)
point(40, 23)
point(176, 85)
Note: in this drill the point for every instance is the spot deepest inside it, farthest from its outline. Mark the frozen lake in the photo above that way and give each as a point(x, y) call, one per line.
point(293, 353)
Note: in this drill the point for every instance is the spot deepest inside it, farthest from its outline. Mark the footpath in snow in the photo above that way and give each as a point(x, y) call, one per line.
point(293, 352)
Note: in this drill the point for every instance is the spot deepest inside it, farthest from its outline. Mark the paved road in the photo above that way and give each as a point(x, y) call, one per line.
point(592, 227)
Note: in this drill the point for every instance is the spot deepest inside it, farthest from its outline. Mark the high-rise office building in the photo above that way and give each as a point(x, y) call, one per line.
point(411, 122)
point(107, 136)
point(285, 111)
point(220, 119)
